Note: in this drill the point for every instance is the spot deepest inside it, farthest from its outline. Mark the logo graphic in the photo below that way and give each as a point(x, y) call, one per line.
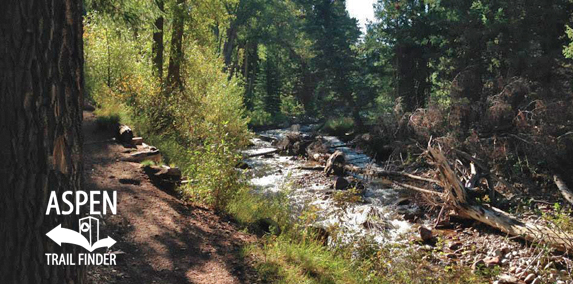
point(87, 237)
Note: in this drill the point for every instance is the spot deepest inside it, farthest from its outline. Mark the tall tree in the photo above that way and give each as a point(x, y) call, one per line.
point(176, 56)
point(334, 34)
point(157, 48)
point(41, 87)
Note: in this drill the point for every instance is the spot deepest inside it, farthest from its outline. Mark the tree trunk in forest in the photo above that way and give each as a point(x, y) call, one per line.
point(41, 85)
point(229, 44)
point(157, 48)
point(176, 57)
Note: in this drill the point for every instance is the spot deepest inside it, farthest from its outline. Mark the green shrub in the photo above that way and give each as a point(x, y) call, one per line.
point(200, 129)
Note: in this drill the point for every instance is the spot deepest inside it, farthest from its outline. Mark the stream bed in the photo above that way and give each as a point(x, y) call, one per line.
point(376, 216)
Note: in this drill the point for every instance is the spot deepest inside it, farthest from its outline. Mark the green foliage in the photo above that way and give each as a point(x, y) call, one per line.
point(338, 126)
point(107, 122)
point(147, 163)
point(200, 128)
point(259, 117)
point(568, 50)
point(561, 219)
point(247, 207)
point(427, 44)
point(294, 51)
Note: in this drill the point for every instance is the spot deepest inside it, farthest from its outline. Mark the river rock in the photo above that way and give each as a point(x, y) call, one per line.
point(507, 279)
point(317, 151)
point(293, 144)
point(335, 164)
point(426, 235)
point(530, 278)
point(341, 184)
point(492, 261)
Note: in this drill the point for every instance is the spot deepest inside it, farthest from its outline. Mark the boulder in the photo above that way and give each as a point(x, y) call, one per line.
point(124, 134)
point(293, 144)
point(164, 177)
point(286, 144)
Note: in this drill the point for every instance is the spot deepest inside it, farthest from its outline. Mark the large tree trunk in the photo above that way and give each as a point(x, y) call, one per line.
point(157, 48)
point(176, 57)
point(41, 85)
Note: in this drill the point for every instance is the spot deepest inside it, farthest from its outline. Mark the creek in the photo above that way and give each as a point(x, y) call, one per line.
point(376, 216)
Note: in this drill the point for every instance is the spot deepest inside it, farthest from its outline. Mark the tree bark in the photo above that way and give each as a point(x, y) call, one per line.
point(157, 48)
point(565, 191)
point(229, 45)
point(176, 57)
point(41, 85)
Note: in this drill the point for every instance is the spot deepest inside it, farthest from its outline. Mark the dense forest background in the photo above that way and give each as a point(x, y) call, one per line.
point(201, 71)
point(309, 59)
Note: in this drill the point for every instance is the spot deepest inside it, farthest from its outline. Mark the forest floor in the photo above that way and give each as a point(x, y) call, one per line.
point(160, 238)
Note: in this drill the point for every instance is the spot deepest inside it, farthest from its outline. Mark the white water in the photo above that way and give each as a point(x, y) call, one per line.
point(375, 217)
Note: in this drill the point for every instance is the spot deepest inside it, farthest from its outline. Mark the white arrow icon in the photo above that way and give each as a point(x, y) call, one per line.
point(62, 235)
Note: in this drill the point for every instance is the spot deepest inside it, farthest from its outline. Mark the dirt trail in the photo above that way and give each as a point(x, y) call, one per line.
point(161, 239)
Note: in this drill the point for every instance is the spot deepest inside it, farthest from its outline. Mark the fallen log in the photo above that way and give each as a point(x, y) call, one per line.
point(263, 153)
point(382, 173)
point(457, 197)
point(140, 156)
point(422, 190)
point(567, 194)
point(311, 168)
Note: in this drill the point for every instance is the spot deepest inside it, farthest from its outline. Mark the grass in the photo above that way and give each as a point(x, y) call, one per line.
point(283, 259)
